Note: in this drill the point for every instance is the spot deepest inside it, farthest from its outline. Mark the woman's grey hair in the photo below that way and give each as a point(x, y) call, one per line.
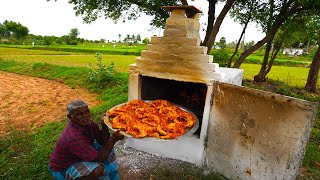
point(74, 105)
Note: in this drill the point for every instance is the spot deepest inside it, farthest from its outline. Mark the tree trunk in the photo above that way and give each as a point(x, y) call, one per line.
point(307, 49)
point(217, 24)
point(274, 55)
point(269, 35)
point(211, 18)
point(184, 2)
point(241, 35)
point(311, 84)
point(261, 76)
point(237, 46)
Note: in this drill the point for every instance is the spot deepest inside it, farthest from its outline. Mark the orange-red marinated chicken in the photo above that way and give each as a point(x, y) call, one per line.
point(159, 119)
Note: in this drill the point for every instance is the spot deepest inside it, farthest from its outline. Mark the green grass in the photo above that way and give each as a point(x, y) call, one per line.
point(25, 155)
point(15, 51)
point(87, 48)
point(74, 59)
point(257, 58)
point(284, 60)
point(292, 76)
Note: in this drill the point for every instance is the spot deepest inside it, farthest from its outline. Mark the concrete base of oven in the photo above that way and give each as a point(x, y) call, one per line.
point(188, 149)
point(232, 75)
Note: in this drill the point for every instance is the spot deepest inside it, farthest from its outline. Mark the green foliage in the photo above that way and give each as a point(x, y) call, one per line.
point(133, 39)
point(90, 10)
point(13, 30)
point(221, 56)
point(146, 41)
point(223, 43)
point(312, 154)
point(103, 75)
point(74, 33)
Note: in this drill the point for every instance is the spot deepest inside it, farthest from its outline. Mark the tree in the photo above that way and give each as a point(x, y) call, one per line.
point(119, 35)
point(217, 23)
point(311, 84)
point(72, 37)
point(146, 41)
point(271, 17)
point(222, 43)
point(2, 30)
point(248, 45)
point(13, 29)
point(74, 33)
point(210, 20)
point(243, 16)
point(291, 31)
point(133, 39)
point(274, 46)
point(132, 9)
point(138, 38)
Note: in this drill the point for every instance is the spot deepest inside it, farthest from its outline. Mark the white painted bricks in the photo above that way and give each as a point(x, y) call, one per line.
point(178, 55)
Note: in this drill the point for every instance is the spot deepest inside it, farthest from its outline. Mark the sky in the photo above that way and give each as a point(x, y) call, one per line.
point(58, 18)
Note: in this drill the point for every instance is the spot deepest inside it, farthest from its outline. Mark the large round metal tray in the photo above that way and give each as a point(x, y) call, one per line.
point(189, 131)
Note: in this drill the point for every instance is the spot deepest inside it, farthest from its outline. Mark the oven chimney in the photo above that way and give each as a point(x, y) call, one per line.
point(178, 54)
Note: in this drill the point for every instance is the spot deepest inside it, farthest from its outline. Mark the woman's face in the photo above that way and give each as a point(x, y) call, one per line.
point(81, 116)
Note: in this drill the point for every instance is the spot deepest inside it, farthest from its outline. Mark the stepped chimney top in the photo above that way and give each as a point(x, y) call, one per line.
point(190, 10)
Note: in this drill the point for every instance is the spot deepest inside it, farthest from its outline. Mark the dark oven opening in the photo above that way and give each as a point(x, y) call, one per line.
point(186, 94)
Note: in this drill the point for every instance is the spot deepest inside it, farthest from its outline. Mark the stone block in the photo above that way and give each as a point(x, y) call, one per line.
point(175, 33)
point(151, 54)
point(175, 49)
point(180, 41)
point(198, 58)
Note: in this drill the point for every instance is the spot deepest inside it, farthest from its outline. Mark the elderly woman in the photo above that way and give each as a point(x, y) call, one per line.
point(83, 151)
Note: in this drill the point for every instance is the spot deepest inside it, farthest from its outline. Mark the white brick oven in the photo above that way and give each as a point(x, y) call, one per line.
point(176, 65)
point(235, 135)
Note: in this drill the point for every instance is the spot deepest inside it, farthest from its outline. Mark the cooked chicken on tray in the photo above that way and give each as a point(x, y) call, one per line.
point(159, 119)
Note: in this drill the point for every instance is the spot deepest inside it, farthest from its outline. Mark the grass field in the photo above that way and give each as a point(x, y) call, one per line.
point(292, 76)
point(88, 48)
point(65, 58)
point(25, 155)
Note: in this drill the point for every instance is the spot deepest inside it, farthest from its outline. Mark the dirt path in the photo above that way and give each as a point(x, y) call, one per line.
point(29, 102)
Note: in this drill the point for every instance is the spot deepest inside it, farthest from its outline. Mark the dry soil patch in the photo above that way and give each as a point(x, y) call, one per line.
point(29, 102)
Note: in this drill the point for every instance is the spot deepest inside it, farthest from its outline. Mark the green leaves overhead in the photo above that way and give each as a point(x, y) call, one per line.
point(123, 10)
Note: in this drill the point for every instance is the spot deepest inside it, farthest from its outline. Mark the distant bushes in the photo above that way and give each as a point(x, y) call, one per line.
point(221, 57)
point(103, 76)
